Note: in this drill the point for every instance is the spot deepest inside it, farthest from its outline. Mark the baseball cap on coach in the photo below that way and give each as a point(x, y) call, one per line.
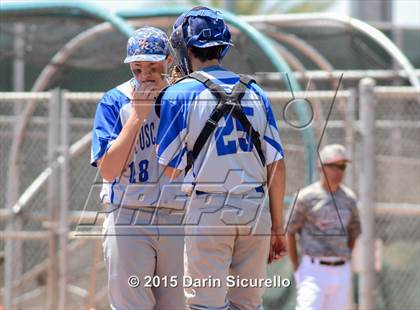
point(333, 153)
point(147, 44)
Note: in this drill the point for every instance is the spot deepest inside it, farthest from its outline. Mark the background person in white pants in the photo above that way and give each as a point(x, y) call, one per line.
point(325, 217)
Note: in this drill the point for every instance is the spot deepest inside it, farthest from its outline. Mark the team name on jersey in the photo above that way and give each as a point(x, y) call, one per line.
point(147, 136)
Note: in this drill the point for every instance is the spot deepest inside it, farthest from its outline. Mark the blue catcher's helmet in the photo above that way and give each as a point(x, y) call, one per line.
point(200, 27)
point(147, 44)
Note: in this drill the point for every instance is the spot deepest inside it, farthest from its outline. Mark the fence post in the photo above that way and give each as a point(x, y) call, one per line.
point(367, 194)
point(52, 198)
point(18, 85)
point(349, 122)
point(13, 260)
point(64, 199)
point(9, 244)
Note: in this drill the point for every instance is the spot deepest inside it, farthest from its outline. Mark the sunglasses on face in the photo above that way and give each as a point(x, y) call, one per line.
point(341, 167)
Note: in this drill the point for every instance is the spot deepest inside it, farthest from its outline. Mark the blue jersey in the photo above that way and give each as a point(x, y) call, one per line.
point(228, 161)
point(142, 183)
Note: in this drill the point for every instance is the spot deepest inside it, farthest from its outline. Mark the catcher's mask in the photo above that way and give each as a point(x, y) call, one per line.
point(200, 27)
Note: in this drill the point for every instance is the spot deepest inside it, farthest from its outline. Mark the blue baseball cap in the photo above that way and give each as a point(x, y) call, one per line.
point(147, 44)
point(204, 27)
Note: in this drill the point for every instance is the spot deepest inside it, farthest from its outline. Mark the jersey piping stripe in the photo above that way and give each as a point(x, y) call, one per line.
point(112, 191)
point(274, 144)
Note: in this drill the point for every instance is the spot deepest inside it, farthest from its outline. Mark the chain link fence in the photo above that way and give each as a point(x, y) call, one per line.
point(7, 119)
point(397, 175)
point(397, 221)
point(330, 123)
point(29, 163)
point(34, 156)
point(336, 121)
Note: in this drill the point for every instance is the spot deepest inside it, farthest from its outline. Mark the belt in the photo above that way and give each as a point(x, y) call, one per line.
point(153, 209)
point(259, 189)
point(141, 208)
point(326, 263)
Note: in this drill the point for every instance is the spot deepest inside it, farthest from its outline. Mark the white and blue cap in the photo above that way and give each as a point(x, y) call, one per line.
point(147, 44)
point(333, 153)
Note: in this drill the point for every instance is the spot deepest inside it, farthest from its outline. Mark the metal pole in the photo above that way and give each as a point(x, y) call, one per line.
point(19, 60)
point(349, 137)
point(373, 10)
point(349, 75)
point(8, 268)
point(52, 198)
point(90, 304)
point(367, 194)
point(13, 249)
point(18, 85)
point(64, 198)
point(229, 5)
point(398, 39)
point(349, 130)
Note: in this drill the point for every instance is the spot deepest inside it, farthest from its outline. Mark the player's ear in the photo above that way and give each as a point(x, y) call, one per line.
point(169, 60)
point(190, 54)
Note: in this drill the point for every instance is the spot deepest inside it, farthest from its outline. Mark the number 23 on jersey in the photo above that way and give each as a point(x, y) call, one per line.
point(224, 147)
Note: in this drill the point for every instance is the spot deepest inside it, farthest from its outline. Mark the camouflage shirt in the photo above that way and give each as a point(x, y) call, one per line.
point(325, 223)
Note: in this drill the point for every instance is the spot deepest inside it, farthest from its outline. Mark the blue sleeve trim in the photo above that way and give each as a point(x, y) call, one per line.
point(105, 145)
point(174, 113)
point(270, 115)
point(173, 122)
point(112, 191)
point(107, 124)
point(275, 144)
point(174, 163)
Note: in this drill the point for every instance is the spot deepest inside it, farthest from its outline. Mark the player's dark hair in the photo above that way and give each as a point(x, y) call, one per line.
point(208, 53)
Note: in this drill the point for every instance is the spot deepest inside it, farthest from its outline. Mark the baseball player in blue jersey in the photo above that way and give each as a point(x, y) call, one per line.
point(221, 131)
point(137, 198)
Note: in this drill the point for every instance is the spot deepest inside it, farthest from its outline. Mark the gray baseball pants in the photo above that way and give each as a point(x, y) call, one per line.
point(143, 242)
point(226, 236)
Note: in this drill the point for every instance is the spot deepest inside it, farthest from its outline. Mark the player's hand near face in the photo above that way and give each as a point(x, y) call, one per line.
point(151, 82)
point(143, 99)
point(150, 76)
